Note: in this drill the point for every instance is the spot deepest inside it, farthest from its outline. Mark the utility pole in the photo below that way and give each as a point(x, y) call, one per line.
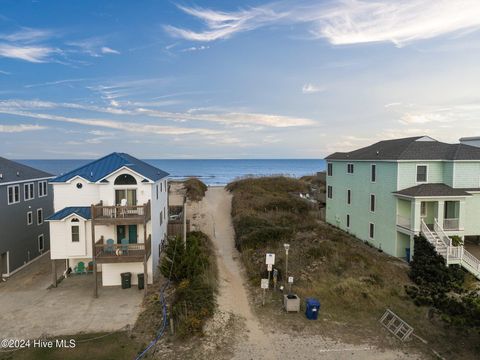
point(287, 247)
point(185, 221)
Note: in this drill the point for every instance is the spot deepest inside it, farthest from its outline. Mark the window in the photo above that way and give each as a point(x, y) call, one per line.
point(125, 179)
point(157, 190)
point(372, 231)
point(28, 191)
point(329, 192)
point(29, 218)
point(39, 216)
point(42, 188)
point(13, 194)
point(349, 196)
point(421, 173)
point(329, 169)
point(161, 218)
point(75, 232)
point(41, 243)
point(348, 221)
point(161, 187)
point(373, 175)
point(164, 213)
point(350, 168)
point(372, 202)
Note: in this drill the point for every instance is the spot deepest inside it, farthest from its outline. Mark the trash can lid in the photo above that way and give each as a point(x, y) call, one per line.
point(312, 302)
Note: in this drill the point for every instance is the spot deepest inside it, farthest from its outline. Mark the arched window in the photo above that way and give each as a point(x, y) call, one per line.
point(75, 220)
point(125, 179)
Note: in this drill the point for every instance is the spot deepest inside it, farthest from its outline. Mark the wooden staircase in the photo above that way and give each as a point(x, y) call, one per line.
point(452, 254)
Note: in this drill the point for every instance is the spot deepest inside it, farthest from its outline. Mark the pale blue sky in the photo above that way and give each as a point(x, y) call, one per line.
point(236, 79)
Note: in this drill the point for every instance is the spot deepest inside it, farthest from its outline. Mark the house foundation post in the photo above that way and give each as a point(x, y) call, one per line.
point(54, 273)
point(95, 272)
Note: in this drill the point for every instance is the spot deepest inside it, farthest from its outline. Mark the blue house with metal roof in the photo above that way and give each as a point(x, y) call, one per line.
point(110, 217)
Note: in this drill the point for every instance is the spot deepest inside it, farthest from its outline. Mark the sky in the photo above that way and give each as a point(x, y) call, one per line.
point(234, 79)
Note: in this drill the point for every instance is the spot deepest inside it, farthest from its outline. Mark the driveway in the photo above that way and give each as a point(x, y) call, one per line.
point(29, 309)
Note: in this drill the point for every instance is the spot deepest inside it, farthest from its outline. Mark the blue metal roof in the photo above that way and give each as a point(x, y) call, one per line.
point(82, 211)
point(98, 169)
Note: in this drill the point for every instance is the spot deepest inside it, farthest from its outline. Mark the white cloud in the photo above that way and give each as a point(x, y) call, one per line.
point(20, 128)
point(196, 48)
point(27, 35)
point(222, 25)
point(107, 50)
point(311, 89)
point(35, 54)
point(343, 22)
point(4, 72)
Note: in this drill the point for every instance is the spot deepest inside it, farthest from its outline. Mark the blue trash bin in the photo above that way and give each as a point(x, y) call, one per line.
point(312, 308)
point(407, 254)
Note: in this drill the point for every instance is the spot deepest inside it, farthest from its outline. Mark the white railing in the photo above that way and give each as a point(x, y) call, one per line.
point(453, 254)
point(404, 222)
point(451, 224)
point(441, 234)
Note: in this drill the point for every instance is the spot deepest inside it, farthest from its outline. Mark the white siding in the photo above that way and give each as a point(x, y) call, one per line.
point(111, 272)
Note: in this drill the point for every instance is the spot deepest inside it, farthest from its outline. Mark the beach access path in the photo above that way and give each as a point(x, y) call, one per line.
point(256, 339)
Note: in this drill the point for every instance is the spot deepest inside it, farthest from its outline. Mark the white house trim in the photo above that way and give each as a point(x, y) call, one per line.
point(123, 168)
point(27, 180)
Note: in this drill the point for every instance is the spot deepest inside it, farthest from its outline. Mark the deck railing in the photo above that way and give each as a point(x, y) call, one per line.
point(140, 212)
point(451, 224)
point(404, 221)
point(103, 249)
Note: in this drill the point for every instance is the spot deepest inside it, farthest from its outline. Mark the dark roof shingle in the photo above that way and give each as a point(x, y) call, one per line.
point(12, 171)
point(433, 190)
point(413, 148)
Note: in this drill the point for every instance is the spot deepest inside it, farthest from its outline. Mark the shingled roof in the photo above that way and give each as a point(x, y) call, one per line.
point(101, 168)
point(11, 171)
point(413, 148)
point(432, 190)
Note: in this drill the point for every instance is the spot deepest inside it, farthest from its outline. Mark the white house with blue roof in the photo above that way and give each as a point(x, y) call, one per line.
point(110, 218)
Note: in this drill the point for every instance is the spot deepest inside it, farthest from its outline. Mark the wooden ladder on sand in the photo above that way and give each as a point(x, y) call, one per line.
point(396, 325)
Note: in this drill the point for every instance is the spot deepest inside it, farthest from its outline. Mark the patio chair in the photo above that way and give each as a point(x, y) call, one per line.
point(90, 267)
point(80, 268)
point(124, 246)
point(123, 209)
point(109, 246)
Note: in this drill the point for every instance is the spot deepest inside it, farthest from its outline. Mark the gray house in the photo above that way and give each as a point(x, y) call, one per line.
point(26, 199)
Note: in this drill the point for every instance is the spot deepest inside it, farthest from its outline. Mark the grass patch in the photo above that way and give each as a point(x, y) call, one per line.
point(194, 275)
point(195, 189)
point(354, 282)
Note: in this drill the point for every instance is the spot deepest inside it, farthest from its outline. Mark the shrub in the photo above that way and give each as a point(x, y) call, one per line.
point(195, 189)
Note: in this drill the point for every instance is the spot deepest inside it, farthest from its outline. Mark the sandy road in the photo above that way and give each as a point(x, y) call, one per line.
point(253, 340)
point(232, 298)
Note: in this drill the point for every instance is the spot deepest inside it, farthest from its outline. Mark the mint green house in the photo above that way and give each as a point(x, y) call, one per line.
point(390, 191)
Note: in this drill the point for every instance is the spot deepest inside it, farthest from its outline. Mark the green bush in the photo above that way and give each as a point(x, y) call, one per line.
point(194, 274)
point(442, 287)
point(195, 189)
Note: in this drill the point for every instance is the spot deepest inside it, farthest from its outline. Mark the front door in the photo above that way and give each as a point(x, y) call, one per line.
point(121, 233)
point(132, 234)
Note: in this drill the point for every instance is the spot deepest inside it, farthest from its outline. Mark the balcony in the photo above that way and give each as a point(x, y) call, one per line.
point(118, 253)
point(451, 224)
point(121, 215)
point(404, 222)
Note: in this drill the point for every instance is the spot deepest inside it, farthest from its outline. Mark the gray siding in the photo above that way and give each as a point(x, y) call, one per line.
point(18, 238)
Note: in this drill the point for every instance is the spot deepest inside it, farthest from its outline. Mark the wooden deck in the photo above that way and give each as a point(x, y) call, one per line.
point(121, 215)
point(118, 253)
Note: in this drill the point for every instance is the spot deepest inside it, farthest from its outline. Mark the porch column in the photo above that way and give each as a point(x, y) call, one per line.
point(441, 212)
point(145, 259)
point(54, 273)
point(415, 215)
point(462, 213)
point(94, 253)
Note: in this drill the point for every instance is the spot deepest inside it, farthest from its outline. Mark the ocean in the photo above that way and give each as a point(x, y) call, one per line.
point(211, 172)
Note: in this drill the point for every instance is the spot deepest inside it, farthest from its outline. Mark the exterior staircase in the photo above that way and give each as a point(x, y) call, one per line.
point(452, 254)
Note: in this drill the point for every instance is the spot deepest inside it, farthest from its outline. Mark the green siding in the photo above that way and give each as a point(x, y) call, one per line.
point(448, 167)
point(467, 174)
point(407, 173)
point(384, 217)
point(472, 215)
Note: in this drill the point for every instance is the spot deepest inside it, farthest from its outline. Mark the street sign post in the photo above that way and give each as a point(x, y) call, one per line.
point(264, 286)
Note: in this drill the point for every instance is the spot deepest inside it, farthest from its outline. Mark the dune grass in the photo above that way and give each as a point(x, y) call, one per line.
point(195, 189)
point(354, 282)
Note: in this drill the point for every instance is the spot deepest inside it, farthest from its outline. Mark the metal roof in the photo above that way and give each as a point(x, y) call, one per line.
point(82, 211)
point(432, 190)
point(11, 171)
point(101, 168)
point(413, 148)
